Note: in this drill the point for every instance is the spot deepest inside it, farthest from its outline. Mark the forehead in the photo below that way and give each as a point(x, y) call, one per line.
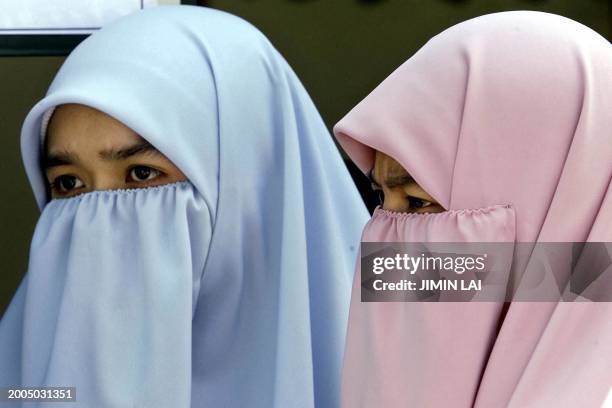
point(73, 126)
point(385, 166)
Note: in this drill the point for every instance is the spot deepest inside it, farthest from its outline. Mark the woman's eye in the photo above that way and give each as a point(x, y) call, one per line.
point(143, 173)
point(418, 203)
point(66, 183)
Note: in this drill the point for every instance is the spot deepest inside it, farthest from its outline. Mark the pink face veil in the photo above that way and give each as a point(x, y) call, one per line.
point(505, 120)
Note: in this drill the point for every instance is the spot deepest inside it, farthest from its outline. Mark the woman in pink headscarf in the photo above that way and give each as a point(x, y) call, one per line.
point(500, 130)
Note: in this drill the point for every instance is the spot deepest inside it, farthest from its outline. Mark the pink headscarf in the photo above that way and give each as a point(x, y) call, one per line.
point(509, 108)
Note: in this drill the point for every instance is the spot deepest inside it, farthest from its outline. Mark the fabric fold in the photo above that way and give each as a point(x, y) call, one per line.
point(503, 108)
point(403, 354)
point(114, 326)
point(219, 101)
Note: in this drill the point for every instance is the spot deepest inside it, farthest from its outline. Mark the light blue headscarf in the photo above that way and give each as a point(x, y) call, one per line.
point(231, 290)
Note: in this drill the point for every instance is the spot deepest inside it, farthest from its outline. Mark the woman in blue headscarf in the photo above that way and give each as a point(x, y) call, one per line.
point(196, 244)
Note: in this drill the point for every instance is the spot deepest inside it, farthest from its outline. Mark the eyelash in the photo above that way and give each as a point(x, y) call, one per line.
point(423, 203)
point(56, 184)
point(411, 199)
point(131, 169)
point(59, 190)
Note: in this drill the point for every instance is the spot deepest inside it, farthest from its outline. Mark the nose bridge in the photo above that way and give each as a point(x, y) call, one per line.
point(395, 199)
point(107, 180)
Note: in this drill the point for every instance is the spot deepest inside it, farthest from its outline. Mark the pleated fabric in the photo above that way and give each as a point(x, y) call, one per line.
point(512, 109)
point(271, 287)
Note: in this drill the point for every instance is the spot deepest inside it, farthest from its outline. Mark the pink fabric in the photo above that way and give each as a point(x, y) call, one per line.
point(508, 108)
point(422, 354)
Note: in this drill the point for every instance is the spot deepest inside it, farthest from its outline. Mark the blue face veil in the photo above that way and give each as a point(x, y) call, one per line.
point(230, 290)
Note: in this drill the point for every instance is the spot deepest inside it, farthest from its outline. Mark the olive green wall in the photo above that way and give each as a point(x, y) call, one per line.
point(22, 82)
point(341, 49)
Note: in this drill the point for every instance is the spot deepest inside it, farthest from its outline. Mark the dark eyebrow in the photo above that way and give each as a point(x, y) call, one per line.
point(391, 181)
point(398, 180)
point(63, 158)
point(58, 159)
point(125, 152)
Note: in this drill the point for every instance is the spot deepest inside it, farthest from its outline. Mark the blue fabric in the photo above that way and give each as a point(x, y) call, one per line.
point(272, 292)
point(113, 326)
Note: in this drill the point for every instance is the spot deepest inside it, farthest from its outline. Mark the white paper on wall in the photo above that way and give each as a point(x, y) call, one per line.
point(63, 16)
